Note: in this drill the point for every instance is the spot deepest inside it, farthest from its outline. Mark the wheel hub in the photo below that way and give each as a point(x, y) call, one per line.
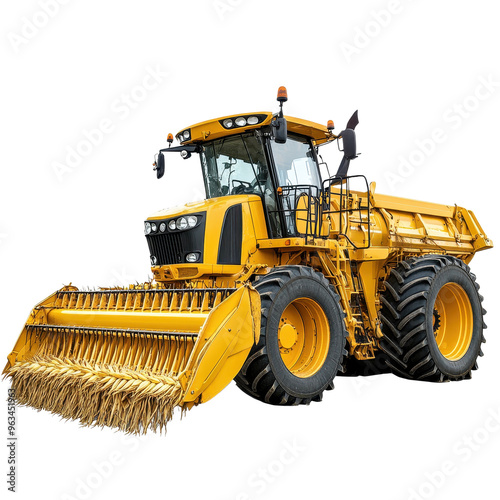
point(303, 337)
point(454, 320)
point(287, 336)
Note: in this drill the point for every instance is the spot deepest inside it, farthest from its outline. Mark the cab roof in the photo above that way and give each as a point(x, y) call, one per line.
point(228, 125)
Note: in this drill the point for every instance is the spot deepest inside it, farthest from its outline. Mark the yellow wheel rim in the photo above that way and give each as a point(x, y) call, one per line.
point(303, 337)
point(453, 321)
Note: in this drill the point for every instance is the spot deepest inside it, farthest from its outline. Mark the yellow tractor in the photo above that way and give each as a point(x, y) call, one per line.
point(281, 279)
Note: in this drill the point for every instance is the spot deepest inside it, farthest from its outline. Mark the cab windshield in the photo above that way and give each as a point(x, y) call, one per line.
point(236, 165)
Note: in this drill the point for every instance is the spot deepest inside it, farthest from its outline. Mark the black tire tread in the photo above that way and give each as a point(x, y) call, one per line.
point(256, 378)
point(403, 313)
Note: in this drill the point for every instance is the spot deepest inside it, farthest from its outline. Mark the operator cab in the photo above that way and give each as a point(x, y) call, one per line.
point(271, 156)
point(253, 163)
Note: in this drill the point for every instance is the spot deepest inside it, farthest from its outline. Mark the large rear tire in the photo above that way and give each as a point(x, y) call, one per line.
point(302, 338)
point(432, 319)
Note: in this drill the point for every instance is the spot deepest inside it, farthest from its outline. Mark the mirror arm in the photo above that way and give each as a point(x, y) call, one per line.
point(177, 149)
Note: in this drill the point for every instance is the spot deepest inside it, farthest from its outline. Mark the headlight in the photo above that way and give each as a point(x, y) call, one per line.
point(154, 227)
point(147, 228)
point(171, 225)
point(185, 135)
point(154, 260)
point(163, 227)
point(192, 220)
point(241, 122)
point(192, 257)
point(228, 123)
point(252, 120)
point(181, 223)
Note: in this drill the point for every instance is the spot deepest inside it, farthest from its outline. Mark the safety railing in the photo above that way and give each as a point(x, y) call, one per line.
point(304, 210)
point(347, 207)
point(299, 210)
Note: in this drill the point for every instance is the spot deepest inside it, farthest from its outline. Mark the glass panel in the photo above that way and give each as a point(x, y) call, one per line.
point(297, 171)
point(236, 165)
point(295, 163)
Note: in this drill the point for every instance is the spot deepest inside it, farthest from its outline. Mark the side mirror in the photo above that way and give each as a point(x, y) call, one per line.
point(160, 166)
point(280, 130)
point(349, 143)
point(349, 146)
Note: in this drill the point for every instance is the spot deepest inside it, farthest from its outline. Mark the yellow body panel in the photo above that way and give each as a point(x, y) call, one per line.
point(225, 341)
point(318, 133)
point(178, 322)
point(212, 129)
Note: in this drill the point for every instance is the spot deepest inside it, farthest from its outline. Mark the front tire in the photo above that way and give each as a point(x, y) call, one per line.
point(302, 338)
point(432, 319)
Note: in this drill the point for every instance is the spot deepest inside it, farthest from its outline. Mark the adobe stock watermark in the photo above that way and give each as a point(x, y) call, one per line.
point(32, 25)
point(121, 108)
point(365, 380)
point(367, 32)
point(12, 458)
point(197, 194)
point(121, 278)
point(223, 7)
point(266, 475)
point(452, 119)
point(101, 470)
point(463, 450)
point(360, 384)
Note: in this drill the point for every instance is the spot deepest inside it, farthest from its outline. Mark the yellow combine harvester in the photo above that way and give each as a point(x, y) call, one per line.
point(280, 279)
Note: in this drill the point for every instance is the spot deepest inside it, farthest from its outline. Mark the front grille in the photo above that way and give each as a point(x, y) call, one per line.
point(167, 248)
point(172, 246)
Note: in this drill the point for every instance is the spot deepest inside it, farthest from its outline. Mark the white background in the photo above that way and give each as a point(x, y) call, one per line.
point(418, 66)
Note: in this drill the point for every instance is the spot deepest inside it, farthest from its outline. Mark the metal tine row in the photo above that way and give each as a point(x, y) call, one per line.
point(170, 300)
point(165, 354)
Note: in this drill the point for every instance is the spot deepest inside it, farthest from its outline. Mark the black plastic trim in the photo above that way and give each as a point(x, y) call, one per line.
point(259, 116)
point(231, 237)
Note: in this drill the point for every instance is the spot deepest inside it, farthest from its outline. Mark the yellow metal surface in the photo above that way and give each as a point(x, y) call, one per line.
point(406, 205)
point(213, 129)
point(223, 345)
point(479, 239)
point(317, 132)
point(453, 321)
point(287, 336)
point(410, 227)
point(303, 337)
point(147, 320)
